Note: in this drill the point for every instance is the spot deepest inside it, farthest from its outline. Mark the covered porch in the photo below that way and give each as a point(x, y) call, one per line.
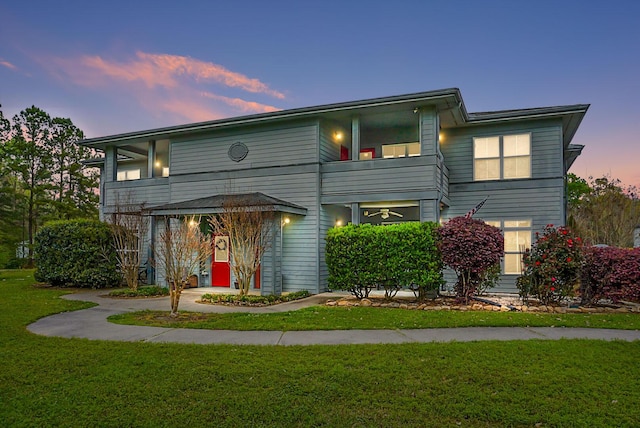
point(216, 275)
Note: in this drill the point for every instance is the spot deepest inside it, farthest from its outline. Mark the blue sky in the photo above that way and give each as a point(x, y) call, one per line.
point(121, 66)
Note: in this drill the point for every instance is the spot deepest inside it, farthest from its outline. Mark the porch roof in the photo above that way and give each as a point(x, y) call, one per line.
point(216, 204)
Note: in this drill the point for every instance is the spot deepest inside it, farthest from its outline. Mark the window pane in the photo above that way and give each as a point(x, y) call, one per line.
point(487, 169)
point(517, 223)
point(517, 167)
point(133, 175)
point(516, 145)
point(494, 223)
point(512, 264)
point(488, 147)
point(413, 149)
point(516, 241)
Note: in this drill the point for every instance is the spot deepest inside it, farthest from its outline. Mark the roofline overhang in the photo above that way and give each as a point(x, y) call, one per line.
point(159, 133)
point(209, 211)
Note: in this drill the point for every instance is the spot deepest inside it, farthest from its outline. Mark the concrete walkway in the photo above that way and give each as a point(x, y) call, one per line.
point(92, 324)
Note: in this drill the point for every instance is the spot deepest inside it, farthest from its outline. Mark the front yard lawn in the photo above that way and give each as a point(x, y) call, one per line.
point(48, 381)
point(364, 318)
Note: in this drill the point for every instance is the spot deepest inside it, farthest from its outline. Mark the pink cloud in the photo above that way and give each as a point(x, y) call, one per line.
point(159, 70)
point(242, 105)
point(189, 110)
point(171, 87)
point(8, 65)
point(201, 70)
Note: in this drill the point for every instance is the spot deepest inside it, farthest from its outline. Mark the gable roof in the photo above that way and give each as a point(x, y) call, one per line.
point(216, 204)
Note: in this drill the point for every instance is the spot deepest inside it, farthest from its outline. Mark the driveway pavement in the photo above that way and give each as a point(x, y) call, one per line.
point(92, 324)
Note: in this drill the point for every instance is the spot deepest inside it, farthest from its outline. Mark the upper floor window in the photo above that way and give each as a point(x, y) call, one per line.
point(400, 150)
point(502, 157)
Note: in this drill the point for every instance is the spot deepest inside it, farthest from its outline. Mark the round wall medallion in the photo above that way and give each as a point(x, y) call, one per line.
point(238, 151)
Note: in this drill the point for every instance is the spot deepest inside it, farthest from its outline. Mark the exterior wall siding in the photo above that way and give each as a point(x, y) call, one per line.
point(277, 146)
point(152, 191)
point(357, 181)
point(546, 148)
point(329, 150)
point(539, 199)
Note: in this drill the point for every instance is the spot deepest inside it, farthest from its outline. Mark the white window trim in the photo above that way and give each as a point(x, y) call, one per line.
point(501, 157)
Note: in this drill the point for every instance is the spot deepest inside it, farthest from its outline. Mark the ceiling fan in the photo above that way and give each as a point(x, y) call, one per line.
point(384, 213)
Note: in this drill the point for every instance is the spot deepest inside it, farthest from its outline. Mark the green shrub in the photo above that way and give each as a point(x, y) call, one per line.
point(76, 253)
point(271, 299)
point(146, 291)
point(363, 257)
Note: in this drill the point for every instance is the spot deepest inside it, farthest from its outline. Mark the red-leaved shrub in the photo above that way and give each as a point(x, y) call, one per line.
point(471, 248)
point(552, 265)
point(610, 273)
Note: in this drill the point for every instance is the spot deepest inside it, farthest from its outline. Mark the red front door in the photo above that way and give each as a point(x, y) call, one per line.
point(220, 267)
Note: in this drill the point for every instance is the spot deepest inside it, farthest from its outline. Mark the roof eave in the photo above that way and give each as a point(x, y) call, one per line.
point(165, 132)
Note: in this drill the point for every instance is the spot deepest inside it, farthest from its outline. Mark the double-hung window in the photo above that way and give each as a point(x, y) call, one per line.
point(517, 238)
point(502, 157)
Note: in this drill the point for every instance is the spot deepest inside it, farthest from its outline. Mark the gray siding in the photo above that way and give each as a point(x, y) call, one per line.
point(546, 148)
point(429, 210)
point(540, 201)
point(378, 179)
point(428, 131)
point(329, 214)
point(280, 146)
point(540, 198)
point(329, 150)
point(152, 191)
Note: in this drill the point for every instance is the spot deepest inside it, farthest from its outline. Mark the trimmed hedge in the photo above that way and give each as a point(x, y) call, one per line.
point(610, 273)
point(76, 253)
point(363, 257)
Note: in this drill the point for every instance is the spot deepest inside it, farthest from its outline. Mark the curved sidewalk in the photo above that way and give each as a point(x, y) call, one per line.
point(92, 324)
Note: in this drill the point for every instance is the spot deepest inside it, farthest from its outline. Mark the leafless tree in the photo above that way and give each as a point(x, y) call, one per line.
point(129, 225)
point(606, 213)
point(179, 252)
point(249, 225)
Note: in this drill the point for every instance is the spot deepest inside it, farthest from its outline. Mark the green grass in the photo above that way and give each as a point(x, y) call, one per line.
point(69, 382)
point(353, 318)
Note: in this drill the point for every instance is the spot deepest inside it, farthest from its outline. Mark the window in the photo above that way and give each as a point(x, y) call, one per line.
point(400, 150)
point(502, 157)
point(367, 154)
point(517, 238)
point(132, 174)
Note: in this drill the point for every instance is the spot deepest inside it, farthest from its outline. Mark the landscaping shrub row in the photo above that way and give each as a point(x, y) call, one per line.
point(249, 300)
point(558, 265)
point(611, 273)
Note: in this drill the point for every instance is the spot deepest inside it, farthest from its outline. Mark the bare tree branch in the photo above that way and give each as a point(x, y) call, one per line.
point(249, 226)
point(179, 252)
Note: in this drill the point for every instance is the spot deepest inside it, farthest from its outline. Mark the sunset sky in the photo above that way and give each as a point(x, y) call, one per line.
point(121, 66)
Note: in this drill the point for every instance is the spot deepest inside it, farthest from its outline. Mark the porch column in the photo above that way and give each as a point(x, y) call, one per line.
point(151, 159)
point(355, 213)
point(355, 139)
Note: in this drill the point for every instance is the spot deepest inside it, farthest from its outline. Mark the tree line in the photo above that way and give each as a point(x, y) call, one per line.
point(42, 178)
point(602, 210)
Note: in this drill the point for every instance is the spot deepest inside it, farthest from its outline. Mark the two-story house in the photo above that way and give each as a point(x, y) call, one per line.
point(416, 157)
